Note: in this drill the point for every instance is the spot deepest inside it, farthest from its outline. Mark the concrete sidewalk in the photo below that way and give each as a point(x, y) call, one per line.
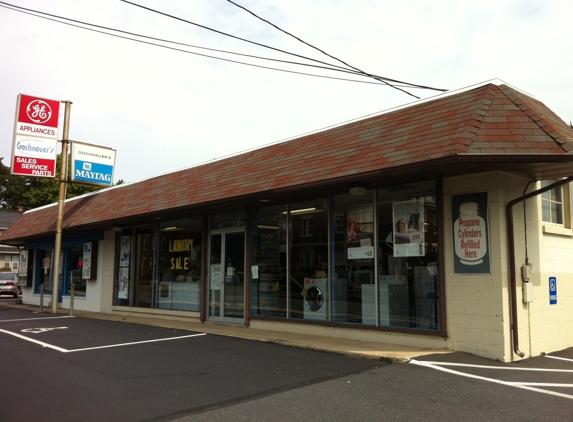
point(364, 349)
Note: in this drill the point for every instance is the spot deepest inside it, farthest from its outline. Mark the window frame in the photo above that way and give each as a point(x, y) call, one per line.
point(549, 198)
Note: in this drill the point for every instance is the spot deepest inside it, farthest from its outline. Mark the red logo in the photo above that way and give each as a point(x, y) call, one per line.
point(38, 111)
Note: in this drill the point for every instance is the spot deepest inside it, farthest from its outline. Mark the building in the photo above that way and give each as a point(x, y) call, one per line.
point(445, 224)
point(9, 255)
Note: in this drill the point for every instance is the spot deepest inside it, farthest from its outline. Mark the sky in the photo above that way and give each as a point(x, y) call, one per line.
point(163, 110)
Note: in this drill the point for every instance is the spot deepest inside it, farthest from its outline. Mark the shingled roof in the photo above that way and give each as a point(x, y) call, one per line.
point(491, 127)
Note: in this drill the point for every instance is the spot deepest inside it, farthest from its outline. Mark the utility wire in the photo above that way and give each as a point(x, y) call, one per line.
point(55, 18)
point(380, 78)
point(61, 19)
point(337, 59)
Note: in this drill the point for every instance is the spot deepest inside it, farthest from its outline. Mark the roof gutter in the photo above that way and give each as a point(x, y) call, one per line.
point(511, 245)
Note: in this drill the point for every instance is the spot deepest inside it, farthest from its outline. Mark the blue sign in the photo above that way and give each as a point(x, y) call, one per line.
point(92, 164)
point(553, 290)
point(85, 171)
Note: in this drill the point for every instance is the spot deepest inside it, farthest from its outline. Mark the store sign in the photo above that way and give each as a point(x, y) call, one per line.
point(92, 164)
point(35, 137)
point(470, 233)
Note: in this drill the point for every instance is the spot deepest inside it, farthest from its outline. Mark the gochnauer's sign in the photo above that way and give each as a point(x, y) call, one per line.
point(92, 164)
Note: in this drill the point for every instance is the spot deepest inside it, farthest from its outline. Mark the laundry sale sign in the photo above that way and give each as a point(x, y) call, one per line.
point(470, 233)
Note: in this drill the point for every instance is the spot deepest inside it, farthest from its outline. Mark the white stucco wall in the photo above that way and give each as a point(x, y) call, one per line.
point(478, 306)
point(552, 325)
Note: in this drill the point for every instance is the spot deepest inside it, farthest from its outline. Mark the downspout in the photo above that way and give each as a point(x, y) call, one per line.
point(511, 246)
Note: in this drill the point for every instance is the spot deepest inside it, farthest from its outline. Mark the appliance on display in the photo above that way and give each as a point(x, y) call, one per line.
point(164, 298)
point(315, 301)
point(179, 295)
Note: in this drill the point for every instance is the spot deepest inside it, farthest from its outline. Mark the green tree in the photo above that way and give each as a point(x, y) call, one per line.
point(23, 192)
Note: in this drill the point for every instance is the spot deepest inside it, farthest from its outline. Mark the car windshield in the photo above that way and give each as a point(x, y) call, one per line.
point(7, 276)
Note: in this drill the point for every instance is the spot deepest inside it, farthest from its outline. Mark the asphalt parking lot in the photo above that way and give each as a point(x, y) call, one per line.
point(74, 368)
point(93, 370)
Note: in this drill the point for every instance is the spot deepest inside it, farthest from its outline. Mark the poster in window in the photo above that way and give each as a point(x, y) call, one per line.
point(216, 277)
point(23, 267)
point(125, 251)
point(87, 261)
point(360, 233)
point(408, 231)
point(470, 233)
point(123, 285)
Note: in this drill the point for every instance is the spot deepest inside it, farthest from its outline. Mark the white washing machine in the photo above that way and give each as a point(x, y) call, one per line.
point(316, 299)
point(165, 295)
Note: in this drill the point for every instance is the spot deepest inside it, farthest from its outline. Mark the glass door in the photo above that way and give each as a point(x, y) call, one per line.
point(227, 276)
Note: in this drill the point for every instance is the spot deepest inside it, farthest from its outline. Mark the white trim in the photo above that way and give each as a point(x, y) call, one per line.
point(557, 230)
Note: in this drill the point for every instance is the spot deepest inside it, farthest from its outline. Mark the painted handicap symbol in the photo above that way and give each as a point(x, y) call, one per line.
point(41, 330)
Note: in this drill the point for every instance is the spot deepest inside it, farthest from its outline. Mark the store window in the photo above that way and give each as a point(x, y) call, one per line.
point(136, 272)
point(73, 276)
point(43, 274)
point(308, 254)
point(124, 282)
point(353, 275)
point(408, 286)
point(269, 261)
point(179, 277)
point(554, 204)
point(159, 266)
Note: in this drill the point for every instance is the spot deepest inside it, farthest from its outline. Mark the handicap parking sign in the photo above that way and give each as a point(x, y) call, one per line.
point(553, 290)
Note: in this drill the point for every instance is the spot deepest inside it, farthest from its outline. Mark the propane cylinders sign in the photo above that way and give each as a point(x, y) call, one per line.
point(470, 233)
point(35, 137)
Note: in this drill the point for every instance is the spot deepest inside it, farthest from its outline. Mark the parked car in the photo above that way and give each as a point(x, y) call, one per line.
point(9, 284)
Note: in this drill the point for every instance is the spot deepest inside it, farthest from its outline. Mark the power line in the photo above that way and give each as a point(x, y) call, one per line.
point(380, 78)
point(335, 58)
point(60, 19)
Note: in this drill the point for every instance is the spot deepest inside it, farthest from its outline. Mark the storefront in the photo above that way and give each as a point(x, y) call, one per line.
point(342, 259)
point(392, 228)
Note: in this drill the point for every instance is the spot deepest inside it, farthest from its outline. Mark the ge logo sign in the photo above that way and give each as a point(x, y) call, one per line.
point(39, 111)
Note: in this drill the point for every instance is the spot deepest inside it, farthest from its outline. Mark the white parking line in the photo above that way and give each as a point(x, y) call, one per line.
point(60, 349)
point(135, 342)
point(507, 368)
point(524, 385)
point(557, 357)
point(35, 319)
point(41, 343)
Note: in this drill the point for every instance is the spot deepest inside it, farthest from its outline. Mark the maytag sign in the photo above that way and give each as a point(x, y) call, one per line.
point(35, 137)
point(92, 164)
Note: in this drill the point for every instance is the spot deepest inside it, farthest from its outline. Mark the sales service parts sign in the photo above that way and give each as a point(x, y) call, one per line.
point(92, 164)
point(35, 137)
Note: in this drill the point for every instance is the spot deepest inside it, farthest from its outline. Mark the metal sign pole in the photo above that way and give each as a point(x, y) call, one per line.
point(61, 203)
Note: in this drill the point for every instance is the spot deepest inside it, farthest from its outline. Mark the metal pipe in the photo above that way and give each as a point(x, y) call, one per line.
point(61, 202)
point(511, 247)
point(42, 297)
point(73, 293)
